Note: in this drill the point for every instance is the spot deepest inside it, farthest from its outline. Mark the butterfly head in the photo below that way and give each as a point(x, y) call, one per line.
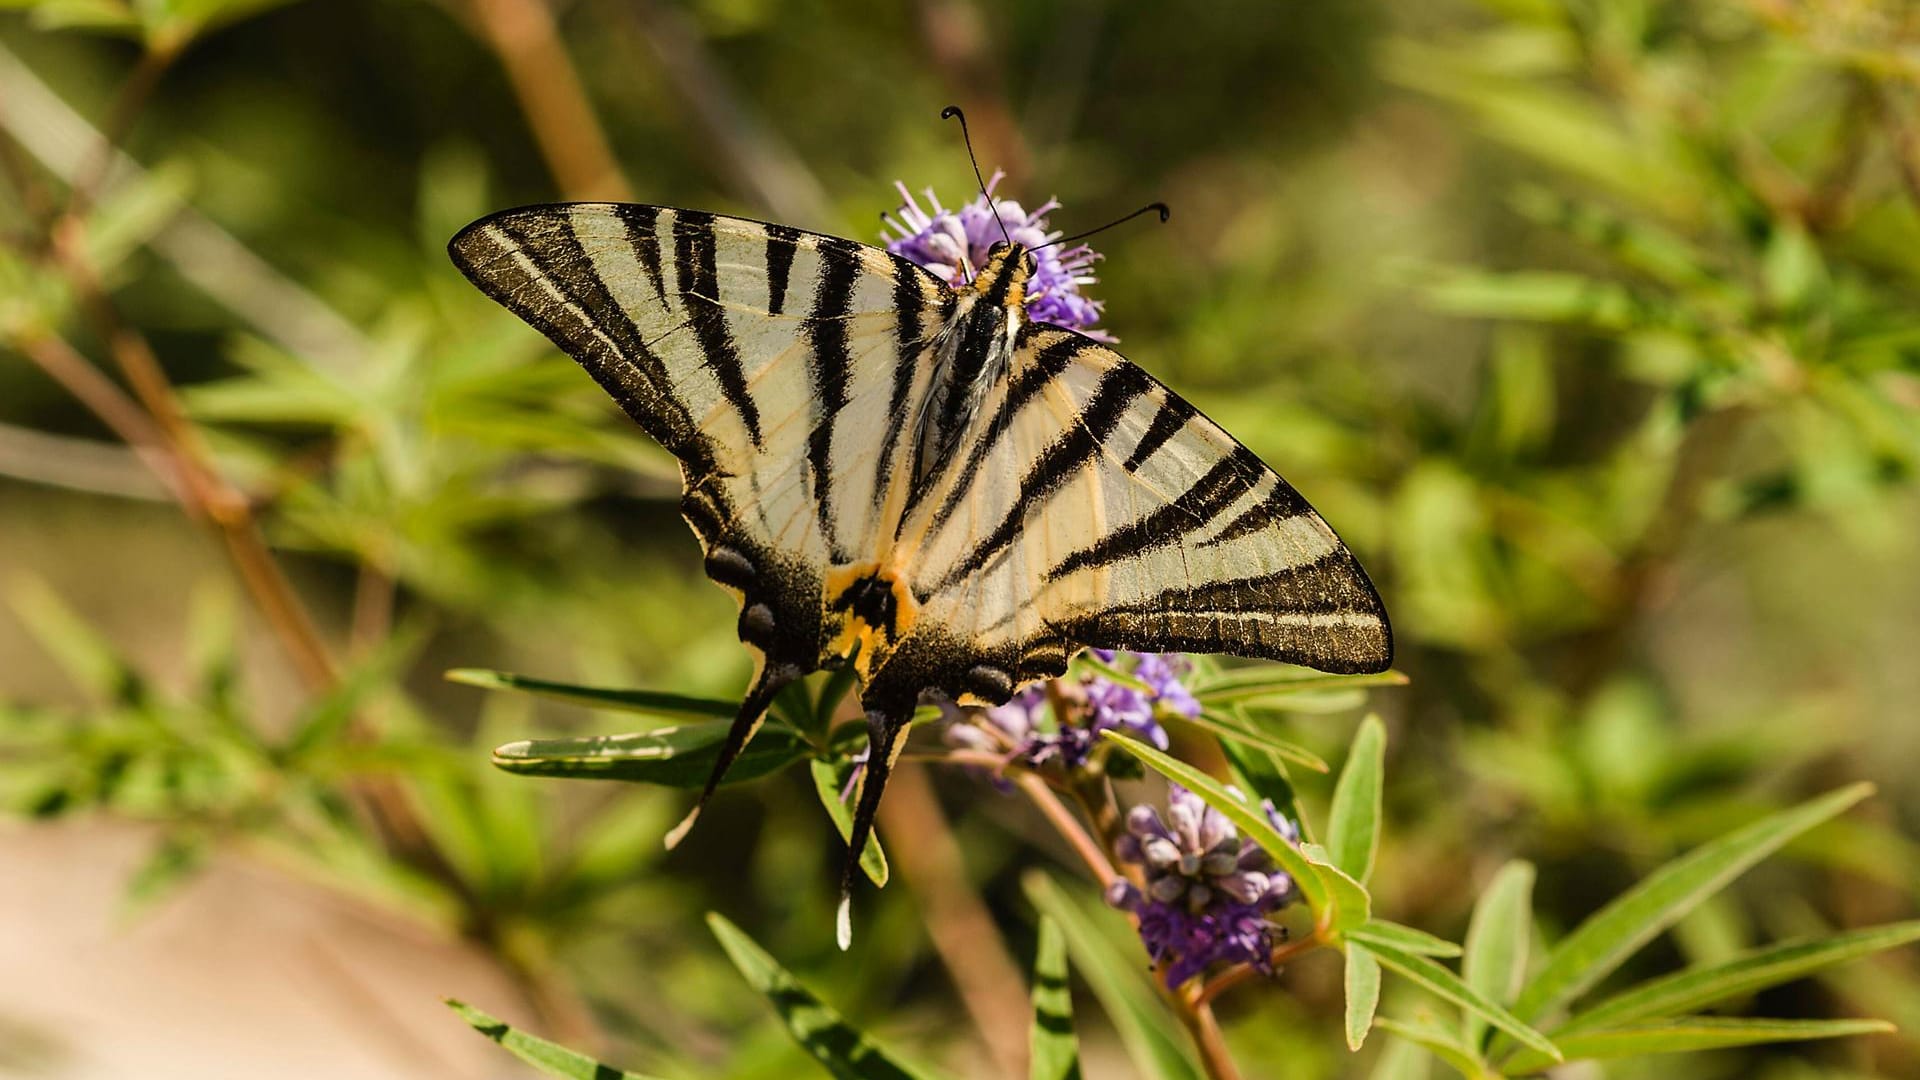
point(1003, 280)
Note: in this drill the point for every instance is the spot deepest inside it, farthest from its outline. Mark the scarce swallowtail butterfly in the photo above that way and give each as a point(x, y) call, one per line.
point(919, 480)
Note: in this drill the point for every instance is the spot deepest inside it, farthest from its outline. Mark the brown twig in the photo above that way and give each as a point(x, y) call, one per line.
point(1214, 1055)
point(1066, 825)
point(1240, 973)
point(963, 932)
point(552, 98)
point(132, 96)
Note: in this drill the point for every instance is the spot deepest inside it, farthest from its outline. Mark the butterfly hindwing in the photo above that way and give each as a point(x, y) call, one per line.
point(1107, 511)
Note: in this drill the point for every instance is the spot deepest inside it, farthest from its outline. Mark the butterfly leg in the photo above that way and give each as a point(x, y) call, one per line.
point(885, 739)
point(753, 709)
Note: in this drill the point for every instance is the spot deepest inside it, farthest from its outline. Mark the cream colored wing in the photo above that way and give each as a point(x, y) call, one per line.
point(1097, 507)
point(776, 364)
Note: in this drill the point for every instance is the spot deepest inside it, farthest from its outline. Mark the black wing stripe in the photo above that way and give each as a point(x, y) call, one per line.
point(1172, 417)
point(1193, 510)
point(642, 225)
point(1280, 504)
point(1047, 366)
point(782, 241)
point(1119, 388)
point(909, 301)
point(585, 321)
point(693, 265)
point(831, 368)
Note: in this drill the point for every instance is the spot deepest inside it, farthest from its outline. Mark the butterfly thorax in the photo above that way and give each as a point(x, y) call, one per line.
point(869, 606)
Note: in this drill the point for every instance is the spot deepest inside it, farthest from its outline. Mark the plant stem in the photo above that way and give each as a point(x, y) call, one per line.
point(1240, 973)
point(1199, 1020)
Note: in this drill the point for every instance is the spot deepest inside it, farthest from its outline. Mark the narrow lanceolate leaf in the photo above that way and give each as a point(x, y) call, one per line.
point(1688, 1034)
point(1709, 984)
point(651, 702)
point(1270, 685)
point(1497, 937)
point(846, 1052)
point(1227, 726)
point(1617, 931)
point(1349, 907)
point(1252, 822)
point(1363, 993)
point(1405, 938)
point(1437, 980)
point(1055, 1052)
point(1441, 1042)
point(826, 783)
point(1353, 826)
point(1119, 979)
point(549, 1058)
point(675, 757)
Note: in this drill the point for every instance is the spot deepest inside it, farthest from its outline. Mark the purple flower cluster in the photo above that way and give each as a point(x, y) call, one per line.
point(1025, 729)
point(953, 245)
point(1208, 893)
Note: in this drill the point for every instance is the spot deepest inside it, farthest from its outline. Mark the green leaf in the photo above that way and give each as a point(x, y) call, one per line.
point(549, 1058)
point(1363, 993)
point(1437, 980)
point(1689, 1034)
point(1614, 933)
point(1055, 1053)
point(1265, 775)
point(1253, 823)
point(651, 702)
point(1227, 726)
point(1349, 905)
point(826, 783)
point(1406, 939)
point(680, 757)
point(1155, 1046)
point(1431, 1036)
point(846, 1051)
point(1497, 937)
point(1353, 825)
point(1270, 684)
point(1710, 984)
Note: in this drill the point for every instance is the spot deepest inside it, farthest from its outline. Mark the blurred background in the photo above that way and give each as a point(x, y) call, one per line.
point(1591, 324)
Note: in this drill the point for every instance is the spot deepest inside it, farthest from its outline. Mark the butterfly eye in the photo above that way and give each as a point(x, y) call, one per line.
point(998, 247)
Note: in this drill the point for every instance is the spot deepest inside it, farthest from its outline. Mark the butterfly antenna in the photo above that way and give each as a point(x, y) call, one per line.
point(1160, 206)
point(952, 112)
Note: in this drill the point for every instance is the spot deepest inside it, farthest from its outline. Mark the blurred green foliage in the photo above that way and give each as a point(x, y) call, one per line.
point(1588, 322)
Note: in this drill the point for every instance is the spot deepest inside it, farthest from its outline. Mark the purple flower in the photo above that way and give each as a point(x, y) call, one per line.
point(953, 245)
point(1163, 672)
point(1207, 893)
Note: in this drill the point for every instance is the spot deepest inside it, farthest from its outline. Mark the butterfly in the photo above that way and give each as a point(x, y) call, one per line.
point(918, 480)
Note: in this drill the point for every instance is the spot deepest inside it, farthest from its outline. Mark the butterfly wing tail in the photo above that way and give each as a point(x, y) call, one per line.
point(753, 710)
point(885, 740)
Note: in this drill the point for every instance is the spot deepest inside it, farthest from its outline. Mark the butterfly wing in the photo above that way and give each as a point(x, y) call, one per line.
point(777, 365)
point(769, 360)
point(1098, 507)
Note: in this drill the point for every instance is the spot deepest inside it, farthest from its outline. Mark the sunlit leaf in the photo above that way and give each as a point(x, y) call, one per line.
point(827, 784)
point(1617, 931)
point(846, 1052)
point(1118, 979)
point(1054, 1051)
point(1353, 824)
point(650, 702)
point(1709, 984)
point(680, 757)
point(1363, 993)
point(1688, 1034)
point(1497, 939)
point(1227, 726)
point(1444, 984)
point(1405, 938)
point(550, 1058)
